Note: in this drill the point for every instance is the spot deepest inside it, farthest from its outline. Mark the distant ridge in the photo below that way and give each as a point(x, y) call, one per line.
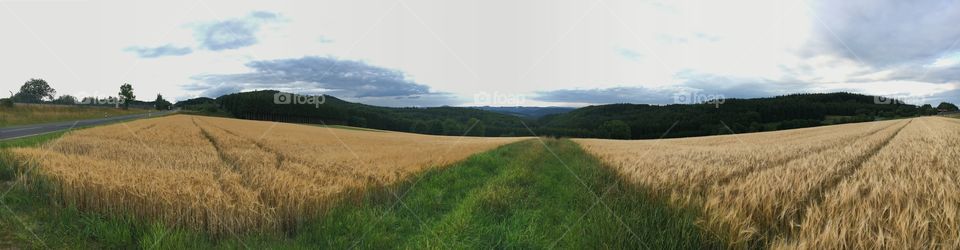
point(620, 121)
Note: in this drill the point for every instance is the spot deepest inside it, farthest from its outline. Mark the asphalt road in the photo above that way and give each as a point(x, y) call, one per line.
point(37, 129)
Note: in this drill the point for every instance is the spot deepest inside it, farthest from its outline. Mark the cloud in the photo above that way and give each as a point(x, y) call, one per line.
point(636, 94)
point(314, 75)
point(740, 87)
point(232, 33)
point(424, 100)
point(952, 96)
point(693, 83)
point(887, 32)
point(629, 54)
point(165, 50)
point(215, 90)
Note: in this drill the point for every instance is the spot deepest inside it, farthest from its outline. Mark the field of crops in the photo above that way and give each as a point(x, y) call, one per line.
point(224, 176)
point(891, 184)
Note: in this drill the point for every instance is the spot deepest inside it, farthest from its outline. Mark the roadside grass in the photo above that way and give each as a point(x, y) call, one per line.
point(515, 196)
point(23, 114)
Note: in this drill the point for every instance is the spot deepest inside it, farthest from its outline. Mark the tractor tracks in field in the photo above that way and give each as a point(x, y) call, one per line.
point(819, 193)
point(786, 161)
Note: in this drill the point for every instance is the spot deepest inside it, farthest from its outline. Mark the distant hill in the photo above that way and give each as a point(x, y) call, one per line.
point(259, 105)
point(527, 112)
point(738, 115)
point(620, 121)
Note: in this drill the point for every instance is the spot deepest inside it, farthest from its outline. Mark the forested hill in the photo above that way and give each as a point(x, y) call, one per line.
point(619, 121)
point(259, 105)
point(740, 115)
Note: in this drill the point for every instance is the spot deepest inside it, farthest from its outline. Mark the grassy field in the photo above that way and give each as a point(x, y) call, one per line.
point(23, 114)
point(515, 196)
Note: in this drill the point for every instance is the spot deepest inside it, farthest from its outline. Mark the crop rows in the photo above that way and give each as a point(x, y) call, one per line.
point(225, 176)
point(880, 184)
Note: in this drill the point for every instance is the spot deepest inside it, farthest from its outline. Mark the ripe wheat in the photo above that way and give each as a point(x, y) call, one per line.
point(225, 176)
point(890, 184)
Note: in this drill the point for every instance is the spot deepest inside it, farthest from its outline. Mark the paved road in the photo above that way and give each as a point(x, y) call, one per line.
point(36, 129)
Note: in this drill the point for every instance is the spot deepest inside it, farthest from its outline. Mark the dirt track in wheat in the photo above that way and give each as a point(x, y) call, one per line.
point(224, 175)
point(890, 184)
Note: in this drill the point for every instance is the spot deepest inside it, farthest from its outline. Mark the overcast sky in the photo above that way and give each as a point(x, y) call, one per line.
point(534, 53)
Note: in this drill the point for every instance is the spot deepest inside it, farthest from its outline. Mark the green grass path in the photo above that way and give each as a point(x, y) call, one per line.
point(517, 196)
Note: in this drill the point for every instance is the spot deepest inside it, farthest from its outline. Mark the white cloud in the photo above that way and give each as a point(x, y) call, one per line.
point(743, 47)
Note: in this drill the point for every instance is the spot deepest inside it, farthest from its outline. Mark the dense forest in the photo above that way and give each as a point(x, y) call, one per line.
point(733, 116)
point(259, 105)
point(618, 121)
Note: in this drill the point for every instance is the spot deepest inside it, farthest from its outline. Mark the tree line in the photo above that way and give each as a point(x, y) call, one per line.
point(37, 90)
point(615, 121)
point(641, 121)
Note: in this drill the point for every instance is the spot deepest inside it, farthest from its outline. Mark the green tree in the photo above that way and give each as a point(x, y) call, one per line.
point(126, 95)
point(478, 128)
point(451, 127)
point(947, 106)
point(927, 109)
point(358, 121)
point(34, 91)
point(614, 129)
point(435, 127)
point(66, 100)
point(419, 127)
point(160, 103)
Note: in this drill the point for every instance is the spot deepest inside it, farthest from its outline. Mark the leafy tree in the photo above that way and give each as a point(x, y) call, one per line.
point(34, 91)
point(927, 109)
point(126, 95)
point(160, 103)
point(614, 129)
point(66, 100)
point(358, 122)
point(419, 127)
point(451, 127)
point(435, 127)
point(478, 128)
point(949, 107)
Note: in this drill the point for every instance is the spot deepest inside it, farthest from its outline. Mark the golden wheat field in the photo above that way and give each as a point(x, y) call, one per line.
point(890, 184)
point(224, 175)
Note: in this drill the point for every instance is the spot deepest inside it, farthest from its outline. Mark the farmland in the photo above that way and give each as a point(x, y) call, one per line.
point(225, 176)
point(889, 184)
point(200, 182)
point(187, 182)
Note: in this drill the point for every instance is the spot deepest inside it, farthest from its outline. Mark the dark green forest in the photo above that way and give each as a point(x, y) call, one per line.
point(617, 121)
point(259, 105)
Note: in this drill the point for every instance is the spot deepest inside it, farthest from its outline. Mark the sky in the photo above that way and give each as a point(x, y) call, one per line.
point(486, 53)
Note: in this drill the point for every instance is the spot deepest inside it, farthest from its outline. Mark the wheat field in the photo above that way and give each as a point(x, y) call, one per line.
point(890, 184)
point(226, 176)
